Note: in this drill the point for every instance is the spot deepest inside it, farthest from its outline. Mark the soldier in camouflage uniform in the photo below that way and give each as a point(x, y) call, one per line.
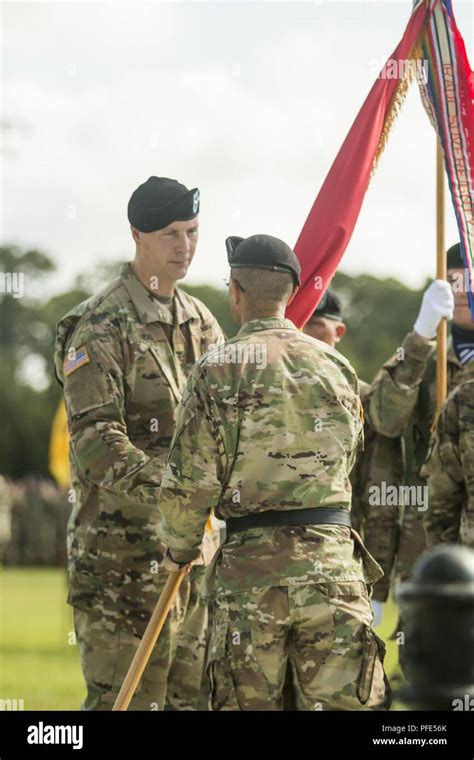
point(267, 432)
point(450, 467)
point(381, 460)
point(123, 357)
point(402, 399)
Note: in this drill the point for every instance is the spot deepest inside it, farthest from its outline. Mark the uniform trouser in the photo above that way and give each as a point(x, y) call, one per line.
point(173, 676)
point(322, 632)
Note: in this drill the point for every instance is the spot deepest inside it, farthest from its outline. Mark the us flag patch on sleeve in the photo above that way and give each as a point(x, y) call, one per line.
point(80, 358)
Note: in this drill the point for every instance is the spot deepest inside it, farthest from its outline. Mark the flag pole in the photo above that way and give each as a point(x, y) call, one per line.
point(441, 274)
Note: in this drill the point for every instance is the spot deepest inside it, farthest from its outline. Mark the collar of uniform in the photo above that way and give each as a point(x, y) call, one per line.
point(149, 309)
point(267, 323)
point(185, 308)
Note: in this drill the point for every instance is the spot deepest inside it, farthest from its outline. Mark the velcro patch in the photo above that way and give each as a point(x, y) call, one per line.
point(80, 358)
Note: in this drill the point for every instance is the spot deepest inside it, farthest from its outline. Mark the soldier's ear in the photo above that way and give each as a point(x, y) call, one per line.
point(235, 293)
point(340, 331)
point(135, 233)
point(292, 295)
point(234, 290)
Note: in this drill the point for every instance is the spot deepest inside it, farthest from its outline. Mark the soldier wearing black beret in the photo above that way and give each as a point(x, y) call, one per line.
point(327, 321)
point(123, 358)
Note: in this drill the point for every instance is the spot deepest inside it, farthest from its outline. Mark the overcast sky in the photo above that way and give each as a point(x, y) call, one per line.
point(248, 101)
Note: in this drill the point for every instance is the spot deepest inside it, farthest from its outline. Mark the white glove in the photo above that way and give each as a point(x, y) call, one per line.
point(438, 303)
point(377, 608)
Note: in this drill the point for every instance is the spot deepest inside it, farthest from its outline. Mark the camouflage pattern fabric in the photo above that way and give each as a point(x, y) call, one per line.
point(281, 434)
point(270, 421)
point(123, 377)
point(380, 461)
point(322, 632)
point(450, 469)
point(402, 402)
point(172, 677)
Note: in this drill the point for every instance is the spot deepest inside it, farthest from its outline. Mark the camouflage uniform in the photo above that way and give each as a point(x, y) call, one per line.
point(402, 402)
point(381, 460)
point(281, 435)
point(450, 469)
point(123, 358)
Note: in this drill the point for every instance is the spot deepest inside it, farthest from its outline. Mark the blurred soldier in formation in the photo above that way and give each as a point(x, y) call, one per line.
point(6, 499)
point(39, 512)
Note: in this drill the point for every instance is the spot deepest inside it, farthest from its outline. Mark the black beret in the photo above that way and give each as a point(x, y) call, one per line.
point(160, 201)
point(262, 252)
point(454, 257)
point(330, 306)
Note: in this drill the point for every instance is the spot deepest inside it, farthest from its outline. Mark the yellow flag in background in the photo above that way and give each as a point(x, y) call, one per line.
point(59, 447)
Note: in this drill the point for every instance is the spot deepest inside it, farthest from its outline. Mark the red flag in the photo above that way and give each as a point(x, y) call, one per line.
point(331, 221)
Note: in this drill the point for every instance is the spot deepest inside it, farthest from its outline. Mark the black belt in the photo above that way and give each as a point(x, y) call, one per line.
point(272, 518)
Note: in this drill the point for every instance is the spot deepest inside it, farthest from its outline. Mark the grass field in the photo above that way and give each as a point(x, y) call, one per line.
point(39, 662)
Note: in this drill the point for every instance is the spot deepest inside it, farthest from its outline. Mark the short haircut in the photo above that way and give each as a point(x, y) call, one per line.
point(264, 288)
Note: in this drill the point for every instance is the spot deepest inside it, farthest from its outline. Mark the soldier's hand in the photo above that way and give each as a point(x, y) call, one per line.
point(168, 563)
point(437, 304)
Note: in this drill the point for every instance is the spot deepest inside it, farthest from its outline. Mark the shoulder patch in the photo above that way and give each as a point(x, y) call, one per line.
point(80, 358)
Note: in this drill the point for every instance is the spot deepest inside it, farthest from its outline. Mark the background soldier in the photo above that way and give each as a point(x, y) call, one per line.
point(123, 357)
point(267, 431)
point(450, 466)
point(381, 460)
point(402, 399)
point(6, 500)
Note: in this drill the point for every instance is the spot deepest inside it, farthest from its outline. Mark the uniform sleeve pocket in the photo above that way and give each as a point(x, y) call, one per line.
point(221, 684)
point(86, 389)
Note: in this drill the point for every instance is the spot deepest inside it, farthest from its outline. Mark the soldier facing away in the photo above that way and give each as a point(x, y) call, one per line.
point(266, 433)
point(381, 460)
point(122, 358)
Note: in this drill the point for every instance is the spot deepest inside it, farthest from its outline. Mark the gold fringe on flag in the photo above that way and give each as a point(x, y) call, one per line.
point(398, 100)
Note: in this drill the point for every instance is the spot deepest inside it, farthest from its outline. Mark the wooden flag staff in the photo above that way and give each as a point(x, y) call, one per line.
point(441, 274)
